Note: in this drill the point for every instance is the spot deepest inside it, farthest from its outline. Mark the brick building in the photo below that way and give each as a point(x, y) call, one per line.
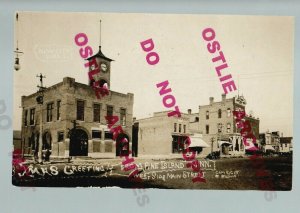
point(218, 126)
point(70, 102)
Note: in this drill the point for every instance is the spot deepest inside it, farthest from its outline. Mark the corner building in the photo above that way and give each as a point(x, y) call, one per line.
point(72, 108)
point(218, 126)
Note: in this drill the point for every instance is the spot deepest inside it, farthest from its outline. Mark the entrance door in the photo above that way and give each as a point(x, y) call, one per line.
point(122, 145)
point(46, 146)
point(78, 143)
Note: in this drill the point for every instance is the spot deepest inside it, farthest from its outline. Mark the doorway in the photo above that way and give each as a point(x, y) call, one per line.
point(78, 143)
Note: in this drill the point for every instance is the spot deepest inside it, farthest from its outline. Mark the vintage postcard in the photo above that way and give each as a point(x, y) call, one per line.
point(168, 101)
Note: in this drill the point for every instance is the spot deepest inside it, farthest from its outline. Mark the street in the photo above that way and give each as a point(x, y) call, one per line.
point(226, 173)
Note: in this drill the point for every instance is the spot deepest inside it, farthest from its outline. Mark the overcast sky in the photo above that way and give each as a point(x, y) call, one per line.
point(258, 49)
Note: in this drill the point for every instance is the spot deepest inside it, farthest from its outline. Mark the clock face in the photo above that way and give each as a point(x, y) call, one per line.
point(103, 67)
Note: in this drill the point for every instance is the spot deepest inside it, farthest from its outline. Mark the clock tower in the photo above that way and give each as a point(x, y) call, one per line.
point(99, 69)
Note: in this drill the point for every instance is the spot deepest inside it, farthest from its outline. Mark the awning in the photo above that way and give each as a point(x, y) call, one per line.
point(224, 142)
point(198, 142)
point(269, 147)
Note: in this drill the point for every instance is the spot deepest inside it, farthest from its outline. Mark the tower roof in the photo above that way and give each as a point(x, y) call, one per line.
point(100, 55)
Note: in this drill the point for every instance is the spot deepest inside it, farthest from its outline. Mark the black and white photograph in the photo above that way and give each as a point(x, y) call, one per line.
point(166, 101)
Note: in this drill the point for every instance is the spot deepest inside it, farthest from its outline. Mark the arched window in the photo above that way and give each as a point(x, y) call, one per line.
point(228, 112)
point(219, 113)
point(207, 115)
point(228, 127)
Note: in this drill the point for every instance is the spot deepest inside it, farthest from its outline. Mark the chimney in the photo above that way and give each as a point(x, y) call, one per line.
point(223, 97)
point(189, 111)
point(211, 100)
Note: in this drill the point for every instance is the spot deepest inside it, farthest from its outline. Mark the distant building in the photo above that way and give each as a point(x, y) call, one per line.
point(68, 102)
point(218, 126)
point(269, 141)
point(17, 140)
point(163, 135)
point(286, 145)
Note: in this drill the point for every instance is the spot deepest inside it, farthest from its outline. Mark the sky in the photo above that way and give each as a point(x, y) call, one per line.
point(259, 51)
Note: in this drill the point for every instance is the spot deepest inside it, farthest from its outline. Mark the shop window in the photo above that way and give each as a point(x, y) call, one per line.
point(108, 135)
point(60, 136)
point(96, 134)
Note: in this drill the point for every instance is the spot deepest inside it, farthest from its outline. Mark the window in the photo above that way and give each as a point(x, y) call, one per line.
point(175, 127)
point(25, 117)
point(219, 127)
point(96, 134)
point(207, 129)
point(197, 119)
point(179, 128)
point(123, 117)
point(60, 136)
point(207, 115)
point(49, 112)
point(228, 127)
point(32, 114)
point(237, 146)
point(286, 145)
point(80, 110)
point(109, 110)
point(184, 128)
point(108, 135)
point(97, 113)
point(228, 112)
point(219, 113)
point(58, 103)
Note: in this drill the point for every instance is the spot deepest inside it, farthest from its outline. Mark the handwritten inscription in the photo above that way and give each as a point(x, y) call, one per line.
point(227, 174)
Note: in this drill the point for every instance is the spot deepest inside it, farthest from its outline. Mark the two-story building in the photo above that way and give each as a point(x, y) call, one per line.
point(163, 135)
point(269, 141)
point(286, 145)
point(72, 109)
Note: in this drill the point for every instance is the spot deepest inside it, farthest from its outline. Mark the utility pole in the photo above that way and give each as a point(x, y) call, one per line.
point(40, 101)
point(212, 143)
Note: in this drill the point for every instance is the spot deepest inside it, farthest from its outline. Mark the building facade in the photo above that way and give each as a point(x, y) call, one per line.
point(73, 118)
point(163, 135)
point(269, 141)
point(218, 125)
point(286, 145)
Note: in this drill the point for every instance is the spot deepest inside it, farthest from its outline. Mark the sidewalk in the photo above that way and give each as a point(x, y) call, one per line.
point(107, 157)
